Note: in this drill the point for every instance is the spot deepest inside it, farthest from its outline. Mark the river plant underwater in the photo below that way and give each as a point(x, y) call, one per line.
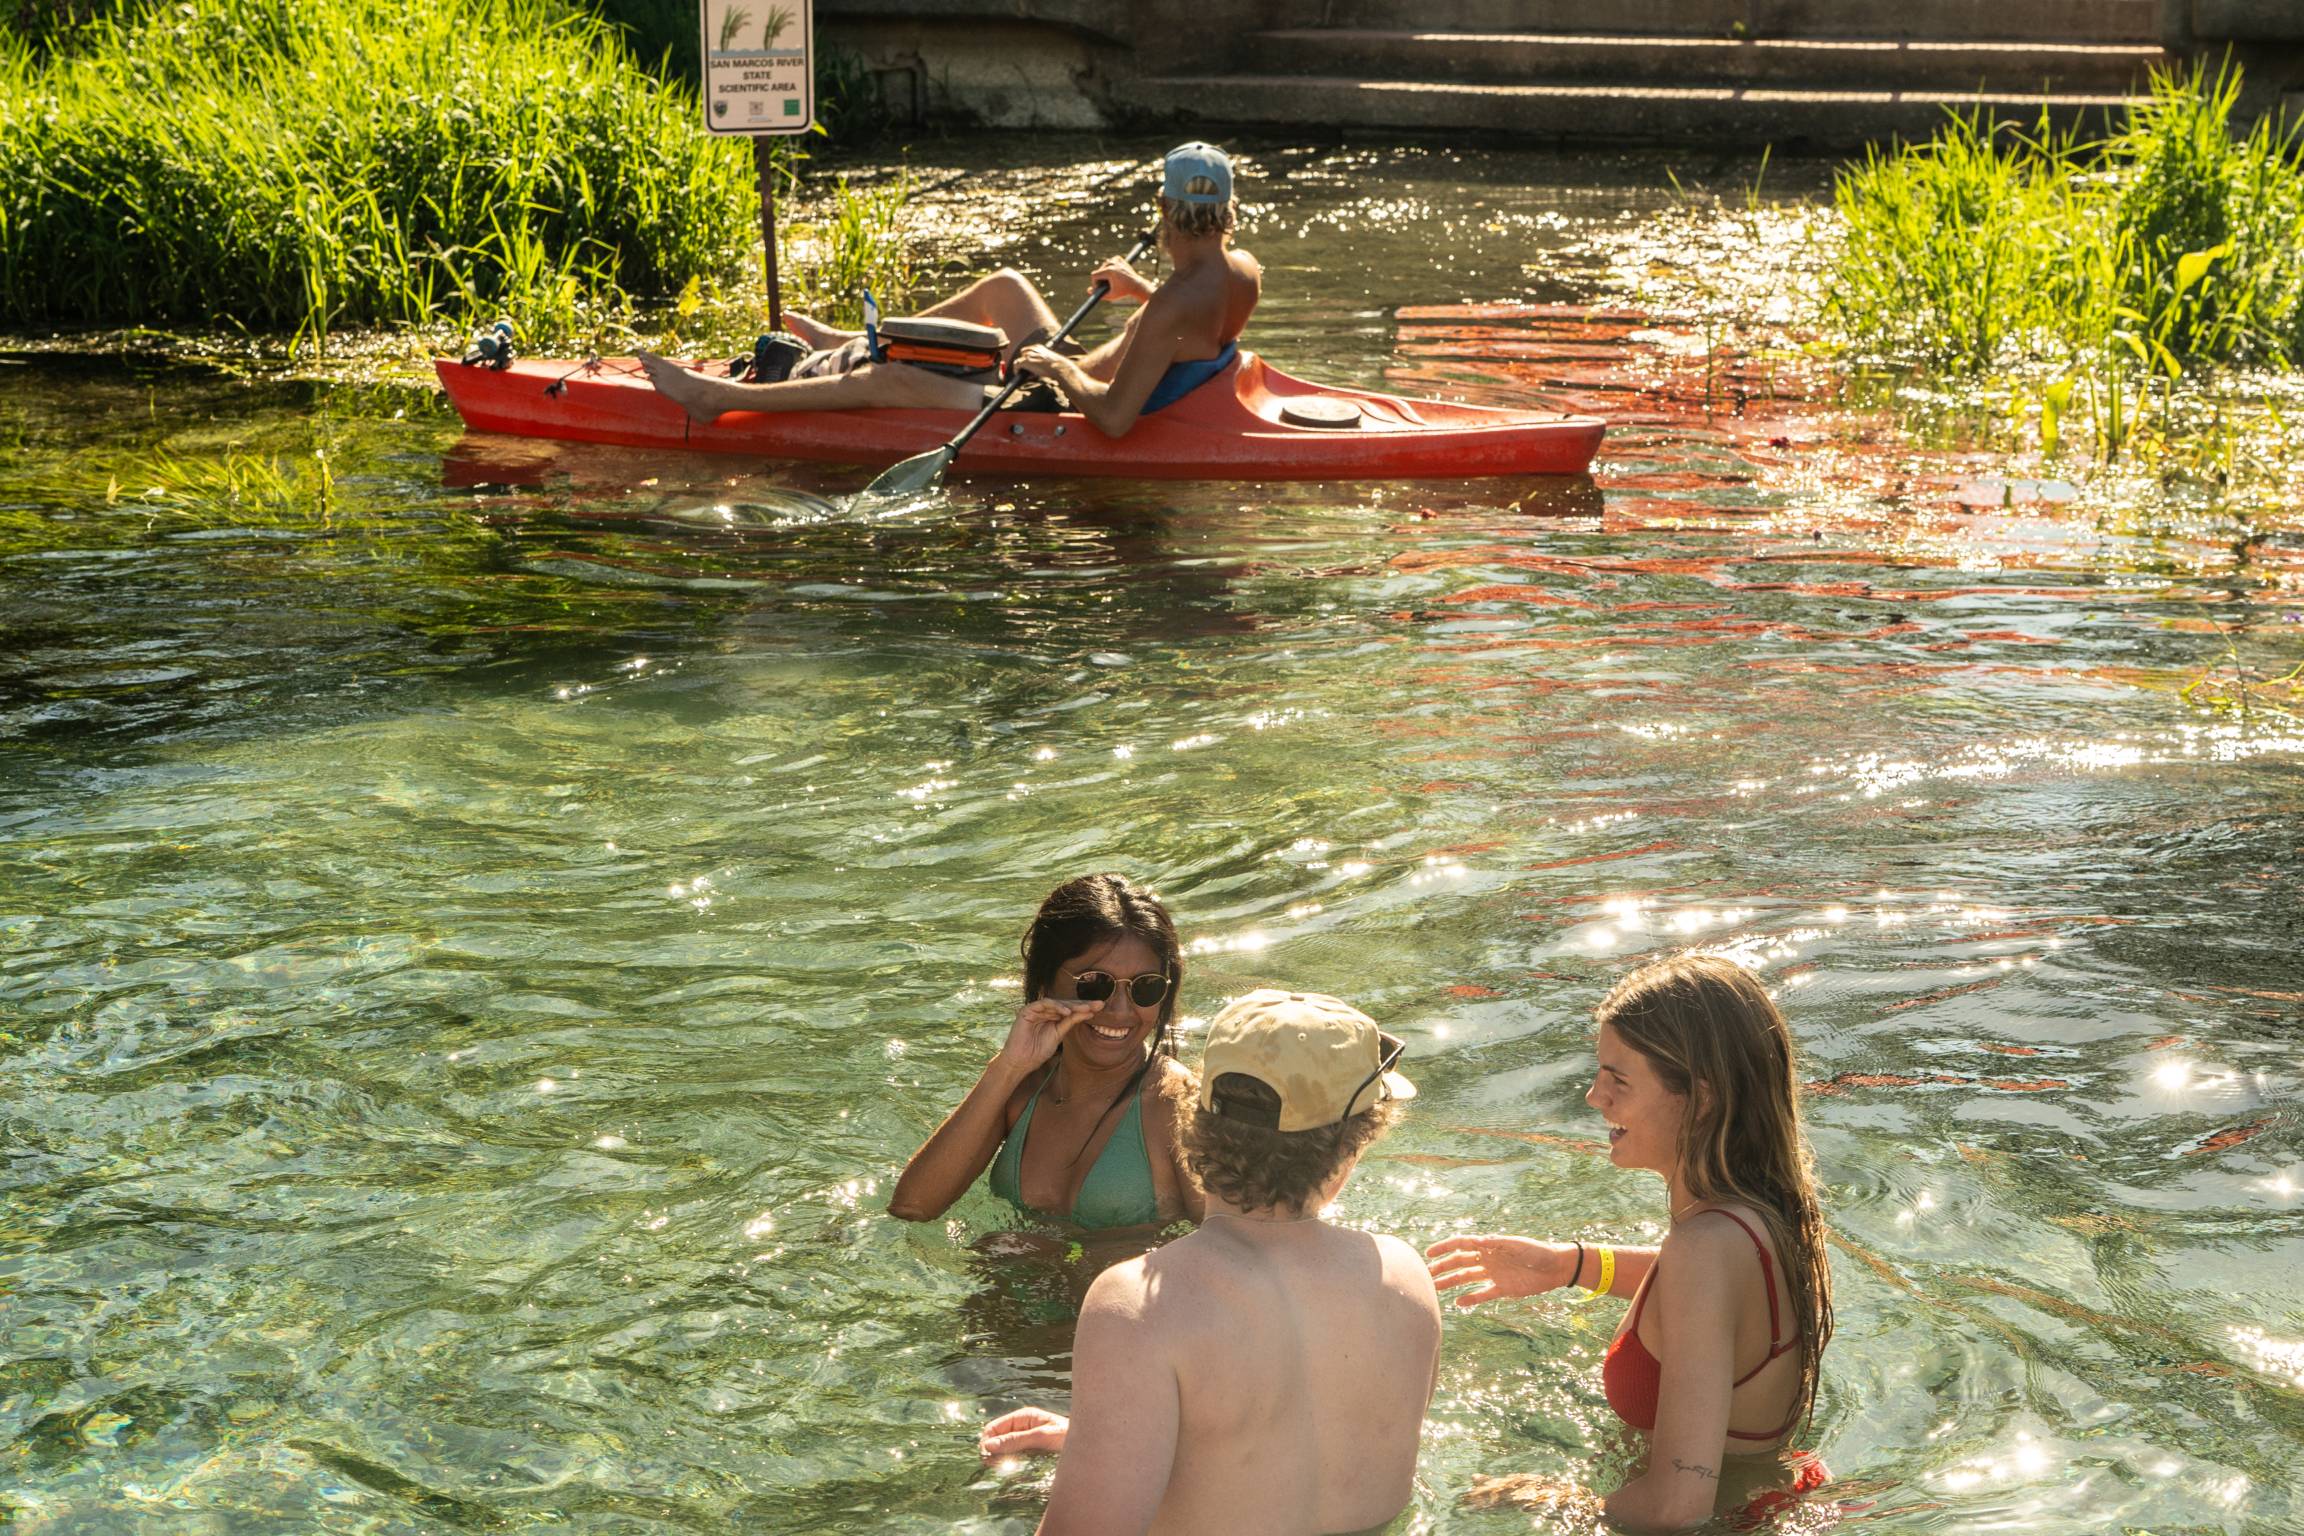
point(485, 921)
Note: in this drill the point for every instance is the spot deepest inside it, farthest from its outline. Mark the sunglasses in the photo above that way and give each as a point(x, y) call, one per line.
point(1390, 1048)
point(1144, 991)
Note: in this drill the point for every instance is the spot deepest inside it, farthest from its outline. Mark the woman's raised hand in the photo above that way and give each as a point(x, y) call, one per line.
point(1022, 1433)
point(1040, 1027)
point(1502, 1267)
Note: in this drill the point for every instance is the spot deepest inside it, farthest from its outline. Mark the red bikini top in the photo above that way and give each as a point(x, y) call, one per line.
point(1631, 1375)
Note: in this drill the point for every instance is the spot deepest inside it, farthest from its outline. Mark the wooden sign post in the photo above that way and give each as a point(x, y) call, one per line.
point(760, 80)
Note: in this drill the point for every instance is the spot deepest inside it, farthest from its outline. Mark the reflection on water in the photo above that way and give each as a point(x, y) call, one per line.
point(470, 969)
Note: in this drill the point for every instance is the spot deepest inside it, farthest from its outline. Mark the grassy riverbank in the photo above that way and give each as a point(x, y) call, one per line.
point(306, 167)
point(2115, 272)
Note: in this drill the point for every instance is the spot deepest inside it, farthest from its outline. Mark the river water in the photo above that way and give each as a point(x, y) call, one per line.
point(483, 924)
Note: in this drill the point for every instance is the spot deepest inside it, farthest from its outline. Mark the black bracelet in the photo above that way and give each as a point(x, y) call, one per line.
point(1578, 1277)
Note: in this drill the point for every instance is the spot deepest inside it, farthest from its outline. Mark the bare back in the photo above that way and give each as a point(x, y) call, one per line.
point(1202, 307)
point(1302, 1358)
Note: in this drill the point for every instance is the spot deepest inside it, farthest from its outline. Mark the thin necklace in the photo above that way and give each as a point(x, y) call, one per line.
point(1676, 1215)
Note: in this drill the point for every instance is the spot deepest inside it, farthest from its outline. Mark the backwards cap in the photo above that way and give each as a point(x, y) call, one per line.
point(1322, 1056)
point(1188, 161)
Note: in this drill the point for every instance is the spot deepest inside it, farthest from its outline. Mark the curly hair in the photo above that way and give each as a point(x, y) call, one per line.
point(1257, 1168)
point(1196, 221)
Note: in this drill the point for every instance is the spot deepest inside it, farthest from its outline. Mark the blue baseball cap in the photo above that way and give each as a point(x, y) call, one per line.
point(1185, 163)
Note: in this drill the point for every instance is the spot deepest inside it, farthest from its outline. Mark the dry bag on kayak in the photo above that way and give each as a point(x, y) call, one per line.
point(953, 347)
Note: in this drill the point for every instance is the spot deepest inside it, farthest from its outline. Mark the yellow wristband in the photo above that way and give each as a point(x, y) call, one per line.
point(1607, 1272)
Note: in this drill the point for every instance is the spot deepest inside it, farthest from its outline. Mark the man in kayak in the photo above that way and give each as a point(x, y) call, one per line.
point(1269, 1372)
point(1186, 332)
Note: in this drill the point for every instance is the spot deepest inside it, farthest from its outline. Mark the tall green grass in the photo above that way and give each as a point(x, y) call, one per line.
point(310, 165)
point(856, 244)
point(2124, 264)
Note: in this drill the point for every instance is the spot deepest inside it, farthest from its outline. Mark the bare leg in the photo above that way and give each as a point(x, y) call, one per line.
point(707, 398)
point(1005, 299)
point(816, 333)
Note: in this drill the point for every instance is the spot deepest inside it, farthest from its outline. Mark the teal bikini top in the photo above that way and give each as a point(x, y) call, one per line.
point(1118, 1191)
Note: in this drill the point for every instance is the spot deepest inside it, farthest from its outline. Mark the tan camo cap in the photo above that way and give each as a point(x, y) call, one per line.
point(1319, 1053)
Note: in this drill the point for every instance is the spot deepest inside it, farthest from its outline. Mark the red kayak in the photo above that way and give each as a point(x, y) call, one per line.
point(1250, 422)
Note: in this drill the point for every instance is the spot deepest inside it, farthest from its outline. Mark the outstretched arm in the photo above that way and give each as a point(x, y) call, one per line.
point(1505, 1267)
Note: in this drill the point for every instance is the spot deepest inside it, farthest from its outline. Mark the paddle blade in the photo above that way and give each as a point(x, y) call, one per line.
point(921, 472)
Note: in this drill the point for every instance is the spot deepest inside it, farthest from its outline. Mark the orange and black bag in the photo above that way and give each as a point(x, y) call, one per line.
point(952, 347)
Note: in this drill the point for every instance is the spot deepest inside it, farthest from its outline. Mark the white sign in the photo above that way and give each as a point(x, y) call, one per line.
point(758, 76)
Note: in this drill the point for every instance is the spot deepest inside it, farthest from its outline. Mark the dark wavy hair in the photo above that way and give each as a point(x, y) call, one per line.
point(1091, 911)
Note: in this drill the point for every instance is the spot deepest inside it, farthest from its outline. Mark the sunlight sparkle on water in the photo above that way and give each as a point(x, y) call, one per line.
point(2280, 1358)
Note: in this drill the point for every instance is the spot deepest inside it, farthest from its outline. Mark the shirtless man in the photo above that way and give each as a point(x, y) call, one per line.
point(1184, 334)
point(1269, 1372)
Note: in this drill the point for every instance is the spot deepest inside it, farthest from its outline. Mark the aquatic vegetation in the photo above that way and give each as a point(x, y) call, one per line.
point(858, 244)
point(356, 163)
point(132, 498)
point(780, 19)
point(2121, 266)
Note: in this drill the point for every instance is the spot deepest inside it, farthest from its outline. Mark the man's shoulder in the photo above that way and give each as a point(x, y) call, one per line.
point(1123, 1290)
point(1406, 1273)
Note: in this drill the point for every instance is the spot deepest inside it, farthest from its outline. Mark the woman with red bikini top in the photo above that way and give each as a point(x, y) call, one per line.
point(1716, 1361)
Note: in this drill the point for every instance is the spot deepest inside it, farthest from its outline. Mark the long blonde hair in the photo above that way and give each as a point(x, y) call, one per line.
point(1713, 1034)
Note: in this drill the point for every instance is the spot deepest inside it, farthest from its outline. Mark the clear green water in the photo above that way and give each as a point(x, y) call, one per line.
point(469, 973)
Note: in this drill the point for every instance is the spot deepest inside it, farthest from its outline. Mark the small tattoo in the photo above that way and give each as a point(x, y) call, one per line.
point(1682, 1466)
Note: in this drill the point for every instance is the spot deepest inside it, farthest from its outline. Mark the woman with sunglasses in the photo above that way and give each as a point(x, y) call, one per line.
point(1076, 1116)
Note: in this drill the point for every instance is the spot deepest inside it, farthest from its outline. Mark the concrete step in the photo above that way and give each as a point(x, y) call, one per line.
point(2067, 21)
point(1615, 113)
point(1562, 57)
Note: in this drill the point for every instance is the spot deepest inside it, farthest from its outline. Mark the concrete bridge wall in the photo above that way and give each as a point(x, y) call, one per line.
point(1759, 71)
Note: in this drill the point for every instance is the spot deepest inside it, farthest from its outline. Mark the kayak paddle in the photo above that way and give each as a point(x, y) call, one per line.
point(925, 471)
